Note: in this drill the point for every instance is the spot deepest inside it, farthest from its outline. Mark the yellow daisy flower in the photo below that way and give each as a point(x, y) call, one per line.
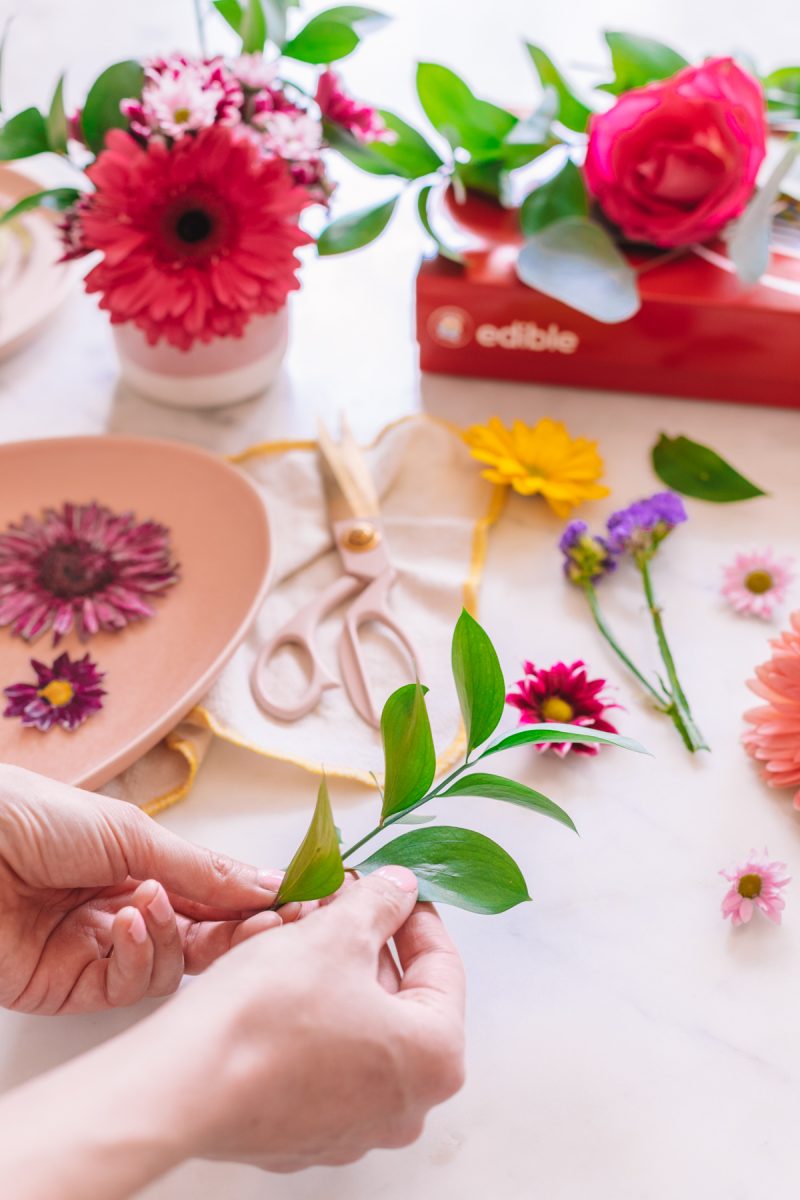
point(542, 459)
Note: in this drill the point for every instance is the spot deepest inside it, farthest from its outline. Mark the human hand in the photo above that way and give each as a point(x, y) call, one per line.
point(102, 906)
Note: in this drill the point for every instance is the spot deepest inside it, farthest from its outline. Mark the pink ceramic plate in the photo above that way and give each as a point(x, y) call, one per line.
point(156, 669)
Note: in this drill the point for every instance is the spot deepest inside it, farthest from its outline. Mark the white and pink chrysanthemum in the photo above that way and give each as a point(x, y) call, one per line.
point(81, 566)
point(756, 583)
point(293, 136)
point(773, 738)
point(755, 884)
point(182, 95)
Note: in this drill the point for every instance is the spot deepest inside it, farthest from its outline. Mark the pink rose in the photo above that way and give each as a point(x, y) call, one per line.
point(673, 162)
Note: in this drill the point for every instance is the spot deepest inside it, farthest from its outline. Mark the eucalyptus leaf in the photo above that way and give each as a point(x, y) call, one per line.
point(408, 749)
point(253, 28)
point(639, 60)
point(551, 731)
point(23, 135)
point(322, 41)
point(455, 866)
point(56, 120)
point(230, 11)
point(577, 262)
point(496, 787)
point(464, 120)
point(101, 112)
point(422, 209)
point(572, 112)
point(356, 229)
point(316, 869)
point(695, 470)
point(562, 196)
point(479, 680)
point(748, 237)
point(55, 199)
point(535, 128)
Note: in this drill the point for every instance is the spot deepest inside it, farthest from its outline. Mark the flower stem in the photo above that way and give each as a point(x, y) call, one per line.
point(662, 701)
point(199, 17)
point(682, 716)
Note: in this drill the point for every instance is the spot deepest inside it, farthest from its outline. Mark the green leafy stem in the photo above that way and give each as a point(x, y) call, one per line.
point(453, 865)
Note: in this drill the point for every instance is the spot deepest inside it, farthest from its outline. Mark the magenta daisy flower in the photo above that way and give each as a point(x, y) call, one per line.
point(65, 694)
point(755, 885)
point(81, 566)
point(564, 695)
point(756, 583)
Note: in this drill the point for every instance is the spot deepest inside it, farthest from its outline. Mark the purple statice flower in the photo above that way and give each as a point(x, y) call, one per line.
point(587, 558)
point(65, 694)
point(641, 526)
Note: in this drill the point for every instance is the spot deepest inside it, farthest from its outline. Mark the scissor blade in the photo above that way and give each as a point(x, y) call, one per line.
point(349, 490)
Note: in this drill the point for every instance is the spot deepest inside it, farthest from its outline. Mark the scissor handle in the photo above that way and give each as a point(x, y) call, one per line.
point(300, 631)
point(371, 605)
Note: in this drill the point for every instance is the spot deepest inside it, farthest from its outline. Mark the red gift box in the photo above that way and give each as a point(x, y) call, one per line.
point(699, 331)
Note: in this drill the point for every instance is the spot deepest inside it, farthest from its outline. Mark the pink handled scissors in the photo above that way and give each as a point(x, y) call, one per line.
point(354, 514)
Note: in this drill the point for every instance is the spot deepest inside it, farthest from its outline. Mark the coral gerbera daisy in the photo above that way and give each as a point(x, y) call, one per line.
point(84, 566)
point(756, 583)
point(540, 459)
point(196, 238)
point(565, 695)
point(755, 885)
point(774, 737)
point(65, 694)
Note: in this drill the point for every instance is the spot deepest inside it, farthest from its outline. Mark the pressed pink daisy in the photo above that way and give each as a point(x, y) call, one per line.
point(564, 695)
point(755, 583)
point(81, 566)
point(755, 884)
point(66, 694)
point(774, 737)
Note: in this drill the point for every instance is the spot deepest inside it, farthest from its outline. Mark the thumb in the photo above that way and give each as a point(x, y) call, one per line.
point(373, 908)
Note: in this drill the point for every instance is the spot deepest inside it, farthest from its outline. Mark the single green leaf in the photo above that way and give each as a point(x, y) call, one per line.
point(408, 155)
point(422, 209)
point(361, 154)
point(696, 470)
point(407, 748)
point(322, 41)
point(23, 135)
point(577, 262)
point(57, 121)
point(551, 731)
point(101, 112)
point(253, 28)
point(496, 787)
point(356, 229)
point(485, 175)
point(464, 120)
point(748, 237)
point(56, 199)
point(230, 11)
point(535, 128)
point(316, 869)
point(362, 20)
point(415, 818)
point(455, 866)
point(275, 12)
point(782, 90)
point(562, 196)
point(572, 112)
point(479, 680)
point(639, 60)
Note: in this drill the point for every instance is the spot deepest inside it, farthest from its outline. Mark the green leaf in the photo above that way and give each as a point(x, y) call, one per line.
point(23, 135)
point(408, 156)
point(363, 155)
point(230, 11)
point(101, 112)
point(57, 121)
point(577, 262)
point(415, 818)
point(455, 866)
point(422, 209)
point(56, 199)
point(535, 128)
point(356, 229)
point(479, 680)
point(782, 90)
point(464, 120)
point(316, 869)
point(696, 470)
point(639, 60)
point(572, 112)
point(362, 20)
point(253, 28)
point(496, 787)
point(553, 732)
point(562, 196)
point(408, 749)
point(322, 41)
point(748, 237)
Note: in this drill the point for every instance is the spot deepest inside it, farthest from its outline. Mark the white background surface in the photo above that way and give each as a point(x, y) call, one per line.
point(624, 1043)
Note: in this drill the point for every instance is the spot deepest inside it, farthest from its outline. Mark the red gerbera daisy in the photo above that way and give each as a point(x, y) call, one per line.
point(564, 695)
point(81, 565)
point(196, 238)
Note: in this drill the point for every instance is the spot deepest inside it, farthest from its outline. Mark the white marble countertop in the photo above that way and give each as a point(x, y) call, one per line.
point(624, 1043)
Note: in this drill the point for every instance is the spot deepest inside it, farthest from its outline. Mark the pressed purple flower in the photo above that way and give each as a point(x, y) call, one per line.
point(65, 694)
point(81, 566)
point(642, 525)
point(587, 558)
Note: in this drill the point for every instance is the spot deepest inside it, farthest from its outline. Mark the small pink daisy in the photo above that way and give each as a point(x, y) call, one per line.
point(756, 583)
point(755, 884)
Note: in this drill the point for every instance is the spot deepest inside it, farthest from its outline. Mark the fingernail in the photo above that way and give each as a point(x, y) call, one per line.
point(137, 928)
point(401, 876)
point(270, 881)
point(160, 908)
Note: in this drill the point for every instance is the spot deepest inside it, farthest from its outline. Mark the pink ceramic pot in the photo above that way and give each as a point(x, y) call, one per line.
point(221, 372)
